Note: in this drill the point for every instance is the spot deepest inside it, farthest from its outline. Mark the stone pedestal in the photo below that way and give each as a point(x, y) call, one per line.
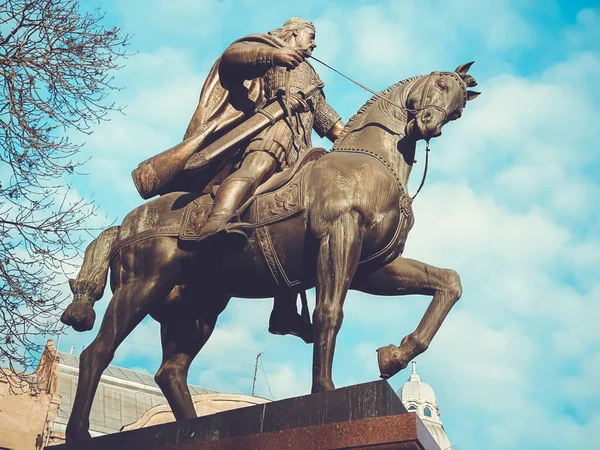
point(366, 415)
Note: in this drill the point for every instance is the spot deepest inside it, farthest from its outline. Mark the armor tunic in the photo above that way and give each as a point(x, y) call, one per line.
point(286, 139)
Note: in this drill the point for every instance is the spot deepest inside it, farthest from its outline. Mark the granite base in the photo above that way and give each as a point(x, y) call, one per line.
point(368, 415)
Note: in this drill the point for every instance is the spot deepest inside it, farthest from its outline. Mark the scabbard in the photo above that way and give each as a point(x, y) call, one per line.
point(231, 141)
point(154, 174)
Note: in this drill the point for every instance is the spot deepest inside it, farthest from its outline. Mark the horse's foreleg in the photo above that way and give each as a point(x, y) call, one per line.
point(408, 277)
point(183, 334)
point(338, 257)
point(129, 305)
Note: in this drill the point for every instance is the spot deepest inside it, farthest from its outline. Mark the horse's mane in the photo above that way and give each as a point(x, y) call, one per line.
point(351, 122)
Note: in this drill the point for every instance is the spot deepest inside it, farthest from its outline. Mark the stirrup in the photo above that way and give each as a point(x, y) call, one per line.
point(241, 229)
point(209, 229)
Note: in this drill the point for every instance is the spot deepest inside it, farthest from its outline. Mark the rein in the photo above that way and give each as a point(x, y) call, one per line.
point(424, 171)
point(376, 94)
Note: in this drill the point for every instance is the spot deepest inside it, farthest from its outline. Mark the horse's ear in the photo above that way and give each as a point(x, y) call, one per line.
point(472, 94)
point(464, 68)
point(469, 80)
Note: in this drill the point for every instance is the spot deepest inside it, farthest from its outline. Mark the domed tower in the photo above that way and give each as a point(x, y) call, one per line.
point(418, 397)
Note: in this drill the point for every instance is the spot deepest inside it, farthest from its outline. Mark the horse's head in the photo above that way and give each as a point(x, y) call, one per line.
point(437, 99)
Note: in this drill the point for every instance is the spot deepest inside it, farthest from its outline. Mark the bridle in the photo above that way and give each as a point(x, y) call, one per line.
point(427, 88)
point(425, 91)
point(429, 83)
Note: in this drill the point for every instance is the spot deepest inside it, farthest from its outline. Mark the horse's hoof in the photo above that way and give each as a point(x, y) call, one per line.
point(389, 361)
point(322, 387)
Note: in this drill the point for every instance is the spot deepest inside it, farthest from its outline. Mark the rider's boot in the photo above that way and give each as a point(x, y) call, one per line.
point(286, 320)
point(229, 197)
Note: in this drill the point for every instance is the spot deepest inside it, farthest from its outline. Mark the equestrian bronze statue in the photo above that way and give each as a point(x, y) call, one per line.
point(333, 220)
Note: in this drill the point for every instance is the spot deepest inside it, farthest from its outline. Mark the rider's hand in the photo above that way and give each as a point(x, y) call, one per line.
point(288, 57)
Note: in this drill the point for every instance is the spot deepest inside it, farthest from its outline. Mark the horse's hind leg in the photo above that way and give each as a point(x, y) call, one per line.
point(408, 277)
point(184, 331)
point(129, 305)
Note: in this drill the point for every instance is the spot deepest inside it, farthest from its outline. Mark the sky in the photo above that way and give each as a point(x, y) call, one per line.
point(511, 202)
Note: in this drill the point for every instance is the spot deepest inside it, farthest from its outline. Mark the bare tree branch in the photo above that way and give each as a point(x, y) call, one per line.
point(56, 65)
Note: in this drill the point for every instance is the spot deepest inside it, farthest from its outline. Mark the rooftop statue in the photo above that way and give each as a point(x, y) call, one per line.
point(249, 209)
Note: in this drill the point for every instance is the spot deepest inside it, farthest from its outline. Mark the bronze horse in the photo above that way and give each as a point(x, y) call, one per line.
point(356, 215)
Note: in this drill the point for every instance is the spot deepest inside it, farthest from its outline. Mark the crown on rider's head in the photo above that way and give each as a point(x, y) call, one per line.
point(292, 24)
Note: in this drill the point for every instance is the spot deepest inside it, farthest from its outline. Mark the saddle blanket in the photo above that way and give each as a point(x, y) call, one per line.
point(264, 213)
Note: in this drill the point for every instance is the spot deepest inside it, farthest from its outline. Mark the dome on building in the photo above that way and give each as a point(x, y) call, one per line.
point(416, 391)
point(418, 397)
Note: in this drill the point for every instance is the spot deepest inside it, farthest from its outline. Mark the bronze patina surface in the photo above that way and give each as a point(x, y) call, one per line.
point(337, 221)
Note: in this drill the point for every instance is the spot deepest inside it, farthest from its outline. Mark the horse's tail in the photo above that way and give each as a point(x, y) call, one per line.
point(90, 282)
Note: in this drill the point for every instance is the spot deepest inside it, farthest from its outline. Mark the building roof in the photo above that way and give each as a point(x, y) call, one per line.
point(123, 396)
point(121, 373)
point(418, 397)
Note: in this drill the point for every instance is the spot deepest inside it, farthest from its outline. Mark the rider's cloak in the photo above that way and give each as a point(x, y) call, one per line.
point(228, 97)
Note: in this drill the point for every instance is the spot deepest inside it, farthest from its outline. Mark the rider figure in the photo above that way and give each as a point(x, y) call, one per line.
point(280, 68)
point(251, 72)
point(279, 145)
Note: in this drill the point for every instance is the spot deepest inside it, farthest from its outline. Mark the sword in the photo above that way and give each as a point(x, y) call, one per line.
point(264, 117)
point(155, 173)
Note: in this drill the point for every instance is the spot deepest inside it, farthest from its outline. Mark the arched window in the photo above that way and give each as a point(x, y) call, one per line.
point(427, 412)
point(412, 408)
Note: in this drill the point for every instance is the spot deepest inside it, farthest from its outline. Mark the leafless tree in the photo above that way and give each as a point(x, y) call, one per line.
point(56, 65)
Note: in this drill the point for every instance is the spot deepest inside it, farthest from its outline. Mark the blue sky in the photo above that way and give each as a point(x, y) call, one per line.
point(511, 202)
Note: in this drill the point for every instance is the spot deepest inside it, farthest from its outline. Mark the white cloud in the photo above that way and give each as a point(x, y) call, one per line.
point(143, 342)
point(159, 104)
point(582, 387)
point(387, 38)
point(287, 381)
point(378, 40)
point(177, 17)
point(585, 33)
point(487, 367)
point(468, 227)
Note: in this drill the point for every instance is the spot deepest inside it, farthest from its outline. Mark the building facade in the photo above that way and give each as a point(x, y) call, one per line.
point(418, 398)
point(28, 403)
point(125, 400)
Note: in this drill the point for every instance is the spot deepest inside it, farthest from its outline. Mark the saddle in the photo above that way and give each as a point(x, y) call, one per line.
point(276, 200)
